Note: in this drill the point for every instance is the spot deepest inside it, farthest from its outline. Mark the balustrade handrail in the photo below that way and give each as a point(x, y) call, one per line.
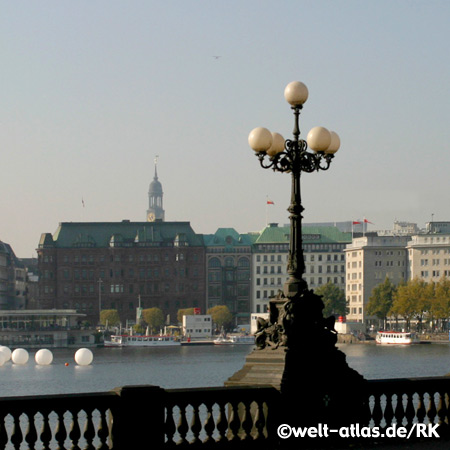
point(225, 417)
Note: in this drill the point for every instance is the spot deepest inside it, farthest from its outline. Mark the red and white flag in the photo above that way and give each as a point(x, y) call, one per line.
point(270, 202)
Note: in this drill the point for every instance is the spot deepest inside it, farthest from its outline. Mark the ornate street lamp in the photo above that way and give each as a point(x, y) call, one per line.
point(292, 156)
point(314, 369)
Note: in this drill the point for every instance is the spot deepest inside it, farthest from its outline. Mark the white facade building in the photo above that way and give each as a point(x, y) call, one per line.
point(197, 326)
point(429, 257)
point(323, 248)
point(369, 260)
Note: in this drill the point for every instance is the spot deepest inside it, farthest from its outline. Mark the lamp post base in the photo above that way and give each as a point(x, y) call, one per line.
point(262, 367)
point(298, 355)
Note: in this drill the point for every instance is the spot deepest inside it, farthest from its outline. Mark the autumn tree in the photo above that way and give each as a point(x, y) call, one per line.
point(154, 318)
point(413, 300)
point(221, 315)
point(184, 312)
point(440, 307)
point(381, 300)
point(109, 317)
point(333, 299)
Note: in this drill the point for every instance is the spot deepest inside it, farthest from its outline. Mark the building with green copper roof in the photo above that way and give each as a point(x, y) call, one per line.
point(324, 260)
point(89, 266)
point(228, 267)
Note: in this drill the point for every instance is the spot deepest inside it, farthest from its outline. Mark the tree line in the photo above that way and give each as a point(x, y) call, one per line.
point(155, 320)
point(414, 300)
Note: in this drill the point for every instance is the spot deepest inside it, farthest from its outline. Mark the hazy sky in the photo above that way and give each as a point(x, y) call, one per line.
point(91, 91)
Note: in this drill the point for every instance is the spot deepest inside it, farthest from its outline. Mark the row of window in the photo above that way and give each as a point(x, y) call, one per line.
point(148, 288)
point(444, 251)
point(434, 273)
point(264, 294)
point(215, 291)
point(91, 259)
point(229, 262)
point(142, 273)
point(435, 262)
point(229, 276)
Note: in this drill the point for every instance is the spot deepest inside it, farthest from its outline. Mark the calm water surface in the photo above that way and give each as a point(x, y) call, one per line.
point(197, 367)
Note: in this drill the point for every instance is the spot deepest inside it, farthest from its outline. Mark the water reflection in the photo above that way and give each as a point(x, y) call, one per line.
point(397, 361)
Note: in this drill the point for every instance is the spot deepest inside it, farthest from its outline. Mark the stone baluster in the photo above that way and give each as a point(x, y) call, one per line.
point(260, 422)
point(209, 425)
point(421, 411)
point(377, 413)
point(410, 412)
point(399, 412)
point(169, 426)
point(3, 432)
point(31, 432)
point(247, 421)
point(103, 431)
point(222, 423)
point(234, 422)
point(61, 432)
point(75, 432)
point(16, 434)
point(431, 410)
point(46, 431)
point(89, 430)
point(442, 410)
point(196, 424)
point(388, 410)
point(182, 427)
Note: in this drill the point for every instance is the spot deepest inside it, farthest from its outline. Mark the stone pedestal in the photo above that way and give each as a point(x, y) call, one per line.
point(262, 367)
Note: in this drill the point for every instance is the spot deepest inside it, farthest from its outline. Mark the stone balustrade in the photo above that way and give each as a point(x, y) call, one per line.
point(204, 418)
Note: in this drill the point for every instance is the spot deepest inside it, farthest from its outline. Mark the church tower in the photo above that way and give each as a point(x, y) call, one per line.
point(155, 209)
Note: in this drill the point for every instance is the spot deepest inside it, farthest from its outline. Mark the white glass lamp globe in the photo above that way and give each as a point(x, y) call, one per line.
point(260, 139)
point(335, 143)
point(319, 139)
point(6, 351)
point(277, 144)
point(296, 93)
point(43, 357)
point(3, 358)
point(83, 357)
point(19, 356)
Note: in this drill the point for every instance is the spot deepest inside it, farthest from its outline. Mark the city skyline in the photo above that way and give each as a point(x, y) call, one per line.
point(92, 92)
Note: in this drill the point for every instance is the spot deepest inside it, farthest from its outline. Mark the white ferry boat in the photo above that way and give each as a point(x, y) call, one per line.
point(141, 341)
point(235, 340)
point(396, 337)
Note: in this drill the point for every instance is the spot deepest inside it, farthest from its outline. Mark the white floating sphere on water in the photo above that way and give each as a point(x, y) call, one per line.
point(43, 357)
point(19, 356)
point(3, 358)
point(83, 357)
point(6, 351)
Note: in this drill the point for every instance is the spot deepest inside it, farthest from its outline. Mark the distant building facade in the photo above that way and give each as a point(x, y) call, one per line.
point(197, 326)
point(228, 266)
point(13, 279)
point(323, 248)
point(429, 256)
point(369, 260)
point(109, 265)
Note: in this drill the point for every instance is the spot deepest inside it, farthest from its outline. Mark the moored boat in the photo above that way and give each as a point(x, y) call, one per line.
point(141, 341)
point(396, 337)
point(235, 340)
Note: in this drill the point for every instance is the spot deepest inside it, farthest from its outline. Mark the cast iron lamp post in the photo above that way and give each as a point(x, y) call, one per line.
point(292, 155)
point(315, 370)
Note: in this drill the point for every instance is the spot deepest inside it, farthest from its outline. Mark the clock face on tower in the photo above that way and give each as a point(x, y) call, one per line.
point(150, 217)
